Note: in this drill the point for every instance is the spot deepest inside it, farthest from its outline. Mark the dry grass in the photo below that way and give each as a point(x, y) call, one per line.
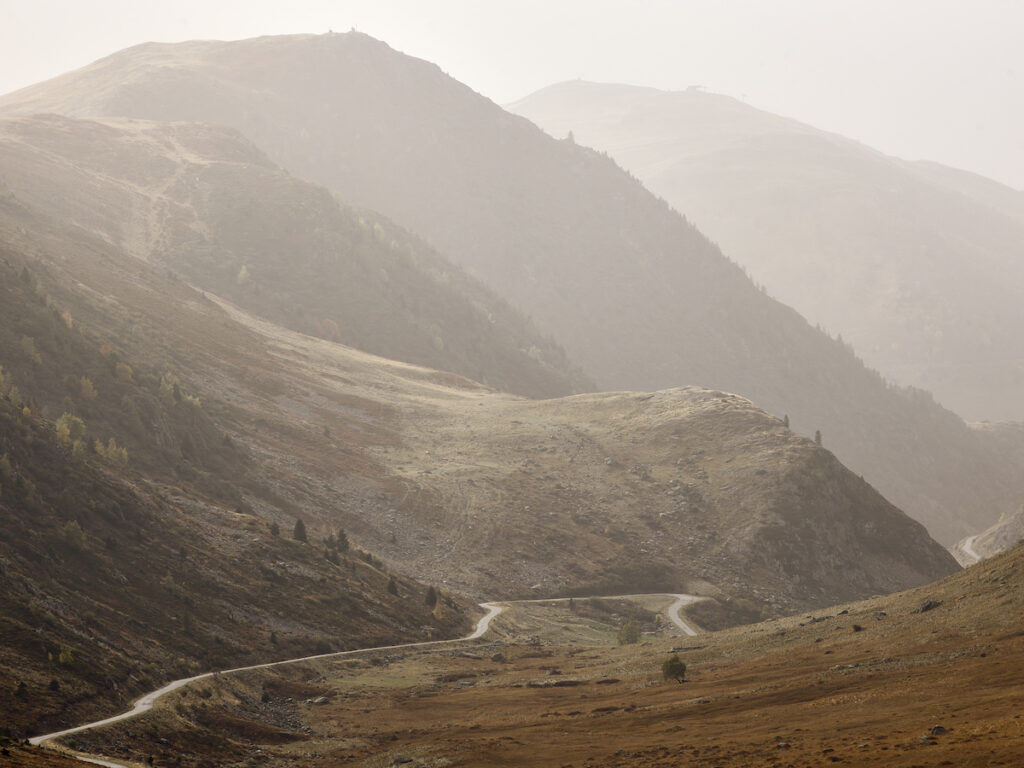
point(808, 690)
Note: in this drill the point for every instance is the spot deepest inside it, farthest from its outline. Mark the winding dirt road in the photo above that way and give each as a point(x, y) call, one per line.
point(146, 703)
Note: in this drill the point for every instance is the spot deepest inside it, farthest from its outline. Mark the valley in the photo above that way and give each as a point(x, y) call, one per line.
point(926, 677)
point(347, 418)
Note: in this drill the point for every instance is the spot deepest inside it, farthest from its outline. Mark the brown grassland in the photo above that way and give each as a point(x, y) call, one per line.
point(860, 684)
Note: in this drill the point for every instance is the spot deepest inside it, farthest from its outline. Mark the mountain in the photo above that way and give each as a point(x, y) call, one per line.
point(636, 295)
point(918, 266)
point(208, 205)
point(156, 435)
point(464, 485)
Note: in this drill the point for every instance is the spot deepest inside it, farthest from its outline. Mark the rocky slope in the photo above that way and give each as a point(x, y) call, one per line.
point(637, 296)
point(917, 266)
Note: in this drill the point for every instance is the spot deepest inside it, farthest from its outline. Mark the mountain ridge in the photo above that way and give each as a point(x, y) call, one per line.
point(210, 206)
point(427, 468)
point(565, 235)
point(916, 265)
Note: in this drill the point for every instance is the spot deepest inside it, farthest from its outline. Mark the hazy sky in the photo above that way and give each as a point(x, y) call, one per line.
point(922, 79)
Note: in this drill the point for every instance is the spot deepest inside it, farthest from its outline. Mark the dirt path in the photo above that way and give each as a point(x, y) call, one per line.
point(965, 550)
point(146, 703)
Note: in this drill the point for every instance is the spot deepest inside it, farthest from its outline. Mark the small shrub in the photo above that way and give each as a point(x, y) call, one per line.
point(70, 429)
point(629, 633)
point(28, 346)
point(112, 451)
point(74, 535)
point(66, 657)
point(674, 668)
point(79, 449)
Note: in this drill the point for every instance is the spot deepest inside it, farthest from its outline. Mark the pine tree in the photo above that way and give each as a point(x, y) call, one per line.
point(299, 532)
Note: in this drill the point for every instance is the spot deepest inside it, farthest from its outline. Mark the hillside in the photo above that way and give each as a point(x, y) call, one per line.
point(917, 266)
point(636, 295)
point(128, 555)
point(923, 678)
point(1008, 530)
point(474, 489)
point(208, 205)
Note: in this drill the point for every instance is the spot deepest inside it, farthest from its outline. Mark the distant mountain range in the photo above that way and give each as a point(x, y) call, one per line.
point(919, 267)
point(637, 296)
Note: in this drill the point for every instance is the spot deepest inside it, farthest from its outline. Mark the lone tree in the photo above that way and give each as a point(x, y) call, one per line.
point(674, 668)
point(299, 532)
point(431, 598)
point(629, 633)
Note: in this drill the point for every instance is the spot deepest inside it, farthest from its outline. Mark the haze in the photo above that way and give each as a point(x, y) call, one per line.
point(349, 416)
point(921, 80)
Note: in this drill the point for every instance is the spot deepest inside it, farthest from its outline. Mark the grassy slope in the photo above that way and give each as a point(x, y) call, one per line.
point(153, 570)
point(858, 684)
